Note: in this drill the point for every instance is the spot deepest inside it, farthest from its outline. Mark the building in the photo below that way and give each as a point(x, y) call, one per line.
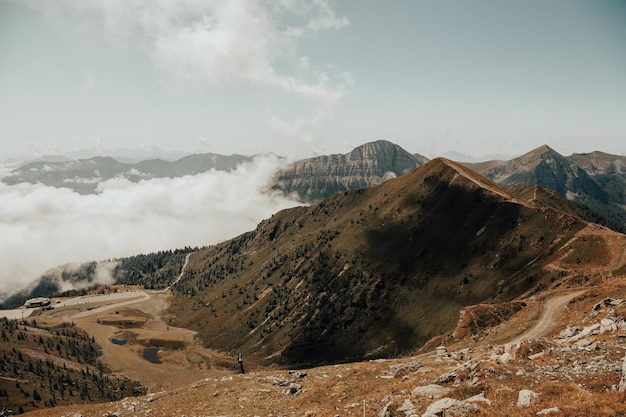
point(37, 302)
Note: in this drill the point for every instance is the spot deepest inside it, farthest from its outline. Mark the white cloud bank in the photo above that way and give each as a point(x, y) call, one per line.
point(43, 227)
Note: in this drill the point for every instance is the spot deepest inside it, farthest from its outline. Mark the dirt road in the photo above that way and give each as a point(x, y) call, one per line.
point(546, 321)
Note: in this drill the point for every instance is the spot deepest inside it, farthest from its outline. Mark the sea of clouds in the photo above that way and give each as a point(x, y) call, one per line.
point(43, 227)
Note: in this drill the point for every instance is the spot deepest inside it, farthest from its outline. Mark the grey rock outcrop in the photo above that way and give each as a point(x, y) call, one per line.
point(527, 397)
point(370, 164)
point(431, 390)
point(450, 407)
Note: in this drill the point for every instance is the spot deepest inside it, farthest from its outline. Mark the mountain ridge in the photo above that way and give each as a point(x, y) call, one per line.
point(424, 244)
point(314, 179)
point(600, 186)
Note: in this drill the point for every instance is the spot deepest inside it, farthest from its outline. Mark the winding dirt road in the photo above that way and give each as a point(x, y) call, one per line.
point(546, 321)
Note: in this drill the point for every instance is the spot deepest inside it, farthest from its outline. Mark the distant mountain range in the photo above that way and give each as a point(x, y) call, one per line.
point(595, 180)
point(84, 175)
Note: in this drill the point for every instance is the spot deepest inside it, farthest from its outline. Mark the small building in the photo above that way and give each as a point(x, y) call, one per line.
point(37, 302)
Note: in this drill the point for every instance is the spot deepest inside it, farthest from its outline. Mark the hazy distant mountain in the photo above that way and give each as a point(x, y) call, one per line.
point(128, 155)
point(316, 178)
point(369, 272)
point(460, 157)
point(596, 180)
point(84, 175)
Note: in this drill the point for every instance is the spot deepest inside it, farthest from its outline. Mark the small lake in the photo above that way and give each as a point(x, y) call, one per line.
point(119, 342)
point(151, 354)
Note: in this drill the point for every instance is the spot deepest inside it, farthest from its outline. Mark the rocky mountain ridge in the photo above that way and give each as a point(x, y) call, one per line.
point(372, 264)
point(84, 175)
point(596, 180)
point(311, 180)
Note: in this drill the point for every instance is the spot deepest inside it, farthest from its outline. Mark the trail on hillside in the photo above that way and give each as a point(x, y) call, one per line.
point(182, 271)
point(545, 322)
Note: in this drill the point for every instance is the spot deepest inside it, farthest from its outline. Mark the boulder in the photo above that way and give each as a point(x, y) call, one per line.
point(450, 407)
point(431, 390)
point(527, 397)
point(478, 398)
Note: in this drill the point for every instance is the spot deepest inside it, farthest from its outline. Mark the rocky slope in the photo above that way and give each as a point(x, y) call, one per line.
point(375, 272)
point(596, 180)
point(311, 180)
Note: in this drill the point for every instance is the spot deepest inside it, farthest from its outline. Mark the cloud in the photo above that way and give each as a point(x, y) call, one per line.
point(43, 227)
point(215, 42)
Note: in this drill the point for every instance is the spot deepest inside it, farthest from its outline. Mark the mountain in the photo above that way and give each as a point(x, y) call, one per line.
point(314, 179)
point(596, 180)
point(84, 175)
point(375, 272)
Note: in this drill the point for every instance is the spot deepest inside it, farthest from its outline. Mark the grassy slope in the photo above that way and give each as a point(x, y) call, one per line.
point(369, 273)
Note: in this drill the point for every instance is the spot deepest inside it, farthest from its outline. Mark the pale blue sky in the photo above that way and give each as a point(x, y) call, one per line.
point(299, 78)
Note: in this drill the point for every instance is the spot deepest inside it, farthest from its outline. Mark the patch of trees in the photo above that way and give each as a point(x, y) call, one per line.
point(45, 367)
point(154, 270)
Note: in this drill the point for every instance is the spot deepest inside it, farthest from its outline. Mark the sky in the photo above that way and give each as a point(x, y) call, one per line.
point(302, 78)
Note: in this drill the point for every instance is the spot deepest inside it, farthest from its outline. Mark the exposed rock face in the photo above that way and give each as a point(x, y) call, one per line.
point(596, 180)
point(317, 178)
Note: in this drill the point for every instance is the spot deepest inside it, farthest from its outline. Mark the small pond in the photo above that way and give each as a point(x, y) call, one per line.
point(119, 342)
point(151, 354)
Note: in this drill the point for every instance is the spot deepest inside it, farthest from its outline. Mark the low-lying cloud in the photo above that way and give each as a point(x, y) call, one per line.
point(43, 227)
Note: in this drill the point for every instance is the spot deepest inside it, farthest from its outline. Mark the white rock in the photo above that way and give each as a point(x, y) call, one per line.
point(479, 398)
point(407, 408)
point(568, 332)
point(450, 406)
point(433, 390)
point(527, 397)
point(546, 411)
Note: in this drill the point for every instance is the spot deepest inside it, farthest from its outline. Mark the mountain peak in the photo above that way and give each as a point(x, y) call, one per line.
point(370, 164)
point(438, 166)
